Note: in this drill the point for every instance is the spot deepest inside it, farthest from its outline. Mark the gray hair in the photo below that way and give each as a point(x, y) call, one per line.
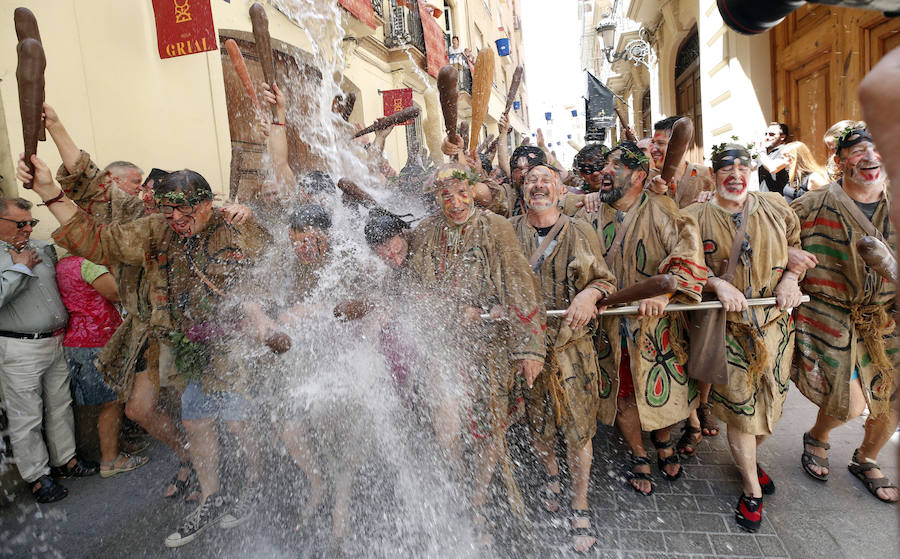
point(20, 203)
point(123, 165)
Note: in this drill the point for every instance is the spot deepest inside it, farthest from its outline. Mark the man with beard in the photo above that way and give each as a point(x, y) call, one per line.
point(760, 340)
point(694, 178)
point(847, 350)
point(193, 256)
point(773, 167)
point(642, 373)
point(588, 163)
point(471, 259)
point(566, 257)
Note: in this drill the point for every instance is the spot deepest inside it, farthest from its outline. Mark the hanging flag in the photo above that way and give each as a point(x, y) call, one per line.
point(548, 115)
point(574, 112)
point(599, 111)
point(396, 100)
point(362, 9)
point(184, 28)
point(517, 105)
point(568, 136)
point(435, 47)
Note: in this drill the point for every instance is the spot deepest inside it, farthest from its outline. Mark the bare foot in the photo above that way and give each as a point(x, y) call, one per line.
point(582, 543)
point(642, 485)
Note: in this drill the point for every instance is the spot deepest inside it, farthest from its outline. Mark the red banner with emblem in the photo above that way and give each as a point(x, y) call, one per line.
point(362, 9)
point(184, 27)
point(435, 46)
point(396, 100)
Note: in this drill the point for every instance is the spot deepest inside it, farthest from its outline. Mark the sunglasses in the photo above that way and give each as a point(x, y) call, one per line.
point(169, 210)
point(588, 168)
point(22, 224)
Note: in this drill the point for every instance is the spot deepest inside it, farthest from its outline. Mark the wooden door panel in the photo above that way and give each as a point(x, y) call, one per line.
point(812, 105)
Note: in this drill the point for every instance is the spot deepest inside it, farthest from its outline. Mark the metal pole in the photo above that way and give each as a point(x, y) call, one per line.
point(674, 307)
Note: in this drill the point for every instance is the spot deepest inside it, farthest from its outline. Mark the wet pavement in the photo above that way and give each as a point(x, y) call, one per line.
point(126, 515)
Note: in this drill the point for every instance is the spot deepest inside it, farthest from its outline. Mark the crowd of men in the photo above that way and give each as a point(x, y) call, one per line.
point(501, 247)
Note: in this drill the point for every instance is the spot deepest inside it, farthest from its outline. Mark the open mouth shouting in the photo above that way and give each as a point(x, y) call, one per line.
point(183, 225)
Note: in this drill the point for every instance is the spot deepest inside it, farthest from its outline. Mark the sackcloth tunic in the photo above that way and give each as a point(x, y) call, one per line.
point(95, 191)
point(850, 322)
point(575, 263)
point(661, 240)
point(180, 300)
point(760, 342)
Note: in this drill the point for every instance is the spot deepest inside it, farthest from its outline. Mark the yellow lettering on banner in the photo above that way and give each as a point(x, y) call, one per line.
point(398, 104)
point(182, 11)
point(170, 51)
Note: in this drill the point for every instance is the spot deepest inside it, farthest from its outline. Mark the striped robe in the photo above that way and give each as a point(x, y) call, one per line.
point(849, 323)
point(662, 240)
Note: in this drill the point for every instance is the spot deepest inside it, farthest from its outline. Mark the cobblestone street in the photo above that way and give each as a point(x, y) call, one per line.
point(126, 517)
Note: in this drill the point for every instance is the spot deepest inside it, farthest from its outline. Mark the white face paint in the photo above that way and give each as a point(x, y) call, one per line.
point(861, 163)
point(732, 182)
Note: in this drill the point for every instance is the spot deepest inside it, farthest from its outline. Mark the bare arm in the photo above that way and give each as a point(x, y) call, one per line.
point(106, 286)
point(502, 148)
point(277, 143)
point(68, 150)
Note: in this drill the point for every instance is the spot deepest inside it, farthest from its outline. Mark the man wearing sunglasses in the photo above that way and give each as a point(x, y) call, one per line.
point(773, 172)
point(34, 377)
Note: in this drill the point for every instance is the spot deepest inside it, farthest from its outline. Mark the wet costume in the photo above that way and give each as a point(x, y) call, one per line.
point(760, 341)
point(565, 395)
point(184, 307)
point(659, 240)
point(848, 327)
point(126, 353)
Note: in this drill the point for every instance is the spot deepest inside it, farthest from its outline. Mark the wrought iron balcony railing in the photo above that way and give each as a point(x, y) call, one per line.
point(403, 26)
point(378, 7)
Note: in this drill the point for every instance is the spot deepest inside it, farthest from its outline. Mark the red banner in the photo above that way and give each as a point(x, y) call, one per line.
point(184, 27)
point(362, 9)
point(435, 47)
point(395, 100)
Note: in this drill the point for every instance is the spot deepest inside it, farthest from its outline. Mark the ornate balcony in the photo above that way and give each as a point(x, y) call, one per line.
point(403, 26)
point(378, 7)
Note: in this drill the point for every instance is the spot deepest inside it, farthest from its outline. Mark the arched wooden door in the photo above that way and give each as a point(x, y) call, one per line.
point(687, 92)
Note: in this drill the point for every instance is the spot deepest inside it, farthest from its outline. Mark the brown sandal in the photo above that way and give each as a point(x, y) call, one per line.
point(873, 484)
point(691, 438)
point(708, 419)
point(809, 459)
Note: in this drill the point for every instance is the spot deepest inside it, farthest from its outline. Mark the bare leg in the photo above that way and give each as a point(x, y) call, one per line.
point(296, 440)
point(547, 455)
point(485, 463)
point(825, 423)
point(204, 445)
point(109, 421)
point(629, 423)
point(743, 449)
point(878, 432)
point(340, 515)
point(448, 431)
point(580, 464)
point(249, 440)
point(663, 435)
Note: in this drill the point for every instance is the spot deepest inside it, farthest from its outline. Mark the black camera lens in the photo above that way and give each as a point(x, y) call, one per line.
point(752, 16)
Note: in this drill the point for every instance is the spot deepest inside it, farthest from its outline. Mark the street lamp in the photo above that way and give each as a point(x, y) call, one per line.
point(637, 50)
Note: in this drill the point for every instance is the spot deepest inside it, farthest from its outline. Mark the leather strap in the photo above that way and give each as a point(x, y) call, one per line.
point(552, 234)
point(735, 254)
point(616, 248)
point(858, 216)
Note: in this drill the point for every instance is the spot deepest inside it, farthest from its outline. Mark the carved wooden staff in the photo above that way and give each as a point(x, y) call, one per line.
point(30, 76)
point(448, 90)
point(347, 108)
point(260, 22)
point(629, 135)
point(482, 82)
point(878, 256)
point(386, 122)
point(27, 28)
point(240, 67)
point(682, 133)
point(351, 189)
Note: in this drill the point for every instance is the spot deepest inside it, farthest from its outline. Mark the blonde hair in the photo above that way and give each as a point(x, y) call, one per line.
point(803, 163)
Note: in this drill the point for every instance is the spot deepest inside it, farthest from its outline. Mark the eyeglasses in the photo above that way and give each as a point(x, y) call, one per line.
point(22, 224)
point(169, 210)
point(589, 168)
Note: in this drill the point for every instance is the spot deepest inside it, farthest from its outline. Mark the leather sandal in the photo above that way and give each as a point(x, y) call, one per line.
point(691, 437)
point(45, 490)
point(873, 484)
point(586, 532)
point(708, 419)
point(81, 468)
point(641, 476)
point(809, 459)
point(183, 486)
point(123, 463)
point(663, 462)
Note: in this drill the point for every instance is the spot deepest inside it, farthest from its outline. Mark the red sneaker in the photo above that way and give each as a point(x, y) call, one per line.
point(765, 482)
point(748, 513)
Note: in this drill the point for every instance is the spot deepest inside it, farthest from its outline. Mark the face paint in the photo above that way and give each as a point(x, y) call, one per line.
point(540, 189)
point(394, 251)
point(187, 222)
point(310, 245)
point(616, 179)
point(658, 146)
point(732, 182)
point(772, 136)
point(862, 164)
point(518, 172)
point(592, 174)
point(455, 198)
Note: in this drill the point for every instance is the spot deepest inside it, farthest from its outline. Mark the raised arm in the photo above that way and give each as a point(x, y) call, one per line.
point(278, 144)
point(67, 147)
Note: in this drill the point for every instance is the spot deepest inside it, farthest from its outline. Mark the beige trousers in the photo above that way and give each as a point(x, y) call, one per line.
point(34, 383)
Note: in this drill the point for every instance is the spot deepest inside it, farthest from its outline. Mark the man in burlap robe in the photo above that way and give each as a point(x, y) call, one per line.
point(642, 359)
point(197, 258)
point(759, 340)
point(847, 348)
point(470, 260)
point(130, 359)
point(573, 276)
